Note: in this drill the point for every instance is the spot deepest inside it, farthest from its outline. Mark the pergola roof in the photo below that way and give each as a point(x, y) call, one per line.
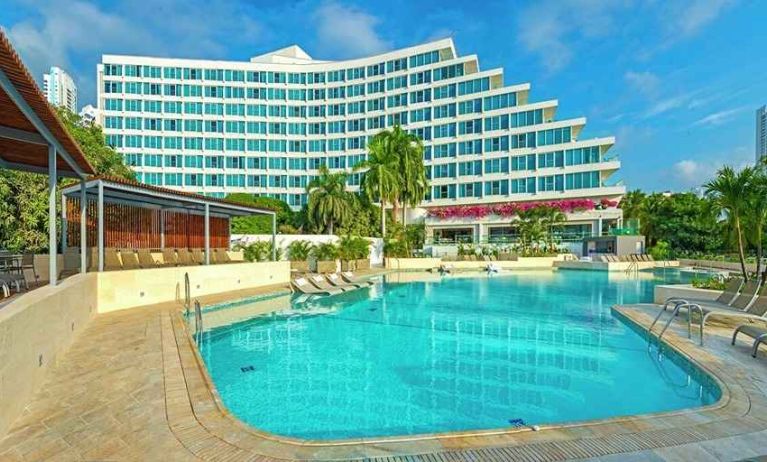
point(123, 191)
point(29, 125)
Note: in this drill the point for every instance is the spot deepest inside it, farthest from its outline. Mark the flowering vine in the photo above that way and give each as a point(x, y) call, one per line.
point(510, 209)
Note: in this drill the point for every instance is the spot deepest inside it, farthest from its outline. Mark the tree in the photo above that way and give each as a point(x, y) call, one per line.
point(408, 149)
point(551, 218)
point(24, 196)
point(381, 181)
point(328, 202)
point(631, 204)
point(366, 218)
point(260, 224)
point(756, 217)
point(731, 191)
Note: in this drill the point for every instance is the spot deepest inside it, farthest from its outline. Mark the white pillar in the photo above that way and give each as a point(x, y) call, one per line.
point(162, 229)
point(101, 226)
point(274, 237)
point(207, 234)
point(52, 269)
point(83, 227)
point(64, 224)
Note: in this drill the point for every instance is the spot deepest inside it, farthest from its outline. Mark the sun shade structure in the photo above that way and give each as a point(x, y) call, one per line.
point(32, 138)
point(128, 214)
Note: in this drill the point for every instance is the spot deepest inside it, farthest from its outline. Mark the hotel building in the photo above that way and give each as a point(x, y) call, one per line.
point(266, 126)
point(60, 89)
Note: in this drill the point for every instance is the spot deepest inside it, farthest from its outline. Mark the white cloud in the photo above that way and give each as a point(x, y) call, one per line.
point(550, 28)
point(347, 32)
point(690, 16)
point(718, 118)
point(645, 82)
point(691, 173)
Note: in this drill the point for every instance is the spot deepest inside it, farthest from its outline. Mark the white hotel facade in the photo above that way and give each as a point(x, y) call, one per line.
point(266, 126)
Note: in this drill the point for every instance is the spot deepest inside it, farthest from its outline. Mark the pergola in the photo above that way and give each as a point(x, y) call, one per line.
point(33, 139)
point(139, 216)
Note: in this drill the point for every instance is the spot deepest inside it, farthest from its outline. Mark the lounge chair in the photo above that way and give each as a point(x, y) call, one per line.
point(322, 283)
point(145, 259)
point(727, 297)
point(222, 256)
point(336, 281)
point(13, 280)
point(303, 286)
point(650, 257)
point(112, 260)
point(28, 263)
point(756, 311)
point(759, 334)
point(492, 268)
point(185, 258)
point(169, 257)
point(130, 260)
point(198, 256)
point(348, 276)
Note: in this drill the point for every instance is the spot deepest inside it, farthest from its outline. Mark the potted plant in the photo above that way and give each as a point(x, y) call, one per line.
point(325, 255)
point(362, 253)
point(259, 251)
point(299, 252)
point(353, 252)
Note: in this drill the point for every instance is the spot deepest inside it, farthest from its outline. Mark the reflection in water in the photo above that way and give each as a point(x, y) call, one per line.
point(446, 355)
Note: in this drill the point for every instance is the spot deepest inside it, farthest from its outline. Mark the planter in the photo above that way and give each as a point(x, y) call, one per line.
point(326, 266)
point(363, 264)
point(300, 266)
point(348, 265)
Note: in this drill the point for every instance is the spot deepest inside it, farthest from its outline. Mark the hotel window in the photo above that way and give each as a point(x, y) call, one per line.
point(172, 90)
point(317, 146)
point(523, 119)
point(420, 115)
point(444, 131)
point(338, 126)
point(173, 142)
point(355, 73)
point(297, 78)
point(337, 144)
point(497, 165)
point(375, 123)
point(192, 74)
point(445, 191)
point(424, 59)
point(336, 76)
point(235, 181)
point(214, 74)
point(420, 78)
point(474, 86)
point(551, 183)
point(193, 161)
point(173, 107)
point(278, 146)
point(257, 110)
point(357, 107)
point(134, 123)
point(133, 160)
point(393, 83)
point(255, 163)
point(113, 69)
point(523, 140)
point(420, 96)
point(470, 168)
point(336, 93)
point(470, 189)
point(214, 180)
point(497, 188)
point(469, 127)
point(523, 163)
point(298, 111)
point(297, 181)
point(193, 179)
point(153, 160)
point(256, 127)
point(582, 180)
point(214, 144)
point(116, 141)
point(355, 90)
point(193, 108)
point(294, 95)
point(174, 179)
point(153, 72)
point(214, 126)
point(444, 150)
point(396, 65)
point(113, 87)
point(172, 161)
point(113, 122)
point(399, 118)
point(295, 128)
point(133, 105)
point(376, 69)
point(193, 143)
point(315, 163)
point(133, 88)
point(500, 101)
point(235, 144)
point(424, 133)
point(278, 128)
point(444, 171)
point(256, 145)
point(448, 72)
point(445, 91)
point(500, 143)
point(376, 87)
point(582, 156)
point(235, 109)
point(296, 146)
point(500, 122)
point(316, 111)
point(214, 109)
point(396, 100)
point(278, 163)
point(317, 128)
point(256, 180)
point(336, 162)
point(153, 142)
point(152, 89)
point(133, 141)
point(470, 147)
point(316, 94)
point(551, 159)
point(296, 163)
point(554, 136)
point(523, 185)
point(444, 111)
point(152, 178)
point(234, 126)
point(471, 106)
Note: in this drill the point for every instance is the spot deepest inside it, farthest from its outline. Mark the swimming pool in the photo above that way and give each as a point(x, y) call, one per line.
point(451, 354)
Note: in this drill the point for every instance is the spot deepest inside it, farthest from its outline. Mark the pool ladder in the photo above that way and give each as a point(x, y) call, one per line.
point(197, 320)
point(187, 294)
point(678, 304)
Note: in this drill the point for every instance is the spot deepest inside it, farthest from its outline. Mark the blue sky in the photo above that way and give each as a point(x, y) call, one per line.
point(676, 81)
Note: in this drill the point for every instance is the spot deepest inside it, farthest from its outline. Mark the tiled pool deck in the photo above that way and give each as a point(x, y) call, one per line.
point(131, 388)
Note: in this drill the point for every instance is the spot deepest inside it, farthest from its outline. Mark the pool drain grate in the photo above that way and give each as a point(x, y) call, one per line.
point(248, 369)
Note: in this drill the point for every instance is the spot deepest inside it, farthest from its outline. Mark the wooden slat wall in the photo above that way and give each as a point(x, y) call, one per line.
point(132, 227)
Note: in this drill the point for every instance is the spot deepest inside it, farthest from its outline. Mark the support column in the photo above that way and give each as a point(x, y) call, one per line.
point(101, 226)
point(83, 228)
point(207, 234)
point(162, 229)
point(64, 224)
point(274, 237)
point(52, 255)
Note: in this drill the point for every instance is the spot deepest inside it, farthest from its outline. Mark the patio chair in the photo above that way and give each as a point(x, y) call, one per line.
point(112, 260)
point(321, 283)
point(222, 256)
point(185, 258)
point(759, 334)
point(169, 257)
point(335, 280)
point(650, 257)
point(28, 263)
point(303, 286)
point(726, 298)
point(145, 259)
point(348, 276)
point(755, 311)
point(198, 256)
point(14, 280)
point(129, 259)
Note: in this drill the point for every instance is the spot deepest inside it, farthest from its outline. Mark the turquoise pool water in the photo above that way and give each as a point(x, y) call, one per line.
point(451, 354)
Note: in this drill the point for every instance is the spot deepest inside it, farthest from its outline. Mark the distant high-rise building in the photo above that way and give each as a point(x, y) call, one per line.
point(89, 114)
point(761, 133)
point(60, 89)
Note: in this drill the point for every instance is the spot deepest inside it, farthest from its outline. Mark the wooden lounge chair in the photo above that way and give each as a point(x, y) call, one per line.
point(145, 259)
point(303, 286)
point(185, 258)
point(222, 256)
point(755, 311)
point(759, 334)
point(198, 256)
point(727, 297)
point(335, 280)
point(348, 276)
point(321, 283)
point(169, 257)
point(112, 260)
point(129, 259)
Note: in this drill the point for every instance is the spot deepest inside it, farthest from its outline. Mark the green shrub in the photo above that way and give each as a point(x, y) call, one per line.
point(300, 250)
point(260, 251)
point(326, 251)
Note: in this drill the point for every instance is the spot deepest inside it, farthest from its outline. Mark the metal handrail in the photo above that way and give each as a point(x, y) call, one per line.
point(197, 318)
point(187, 293)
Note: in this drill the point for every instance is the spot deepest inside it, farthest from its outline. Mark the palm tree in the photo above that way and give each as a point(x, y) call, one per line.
point(381, 180)
point(757, 214)
point(731, 191)
point(551, 218)
point(328, 201)
point(649, 214)
point(413, 182)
